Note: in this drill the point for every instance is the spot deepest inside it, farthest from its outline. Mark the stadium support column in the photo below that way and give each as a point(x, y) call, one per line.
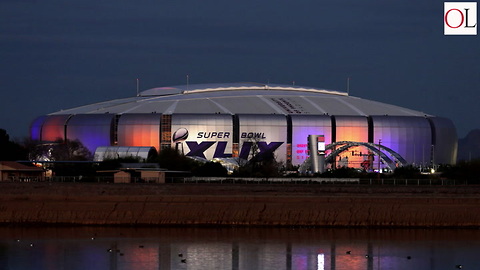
point(166, 131)
point(316, 147)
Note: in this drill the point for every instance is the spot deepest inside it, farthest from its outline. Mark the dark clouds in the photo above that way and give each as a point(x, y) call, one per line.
point(60, 54)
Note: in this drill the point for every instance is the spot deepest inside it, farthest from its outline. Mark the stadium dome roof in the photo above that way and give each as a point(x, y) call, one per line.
point(243, 98)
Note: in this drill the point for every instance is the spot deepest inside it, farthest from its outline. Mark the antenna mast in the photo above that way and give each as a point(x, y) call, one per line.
point(348, 86)
point(138, 87)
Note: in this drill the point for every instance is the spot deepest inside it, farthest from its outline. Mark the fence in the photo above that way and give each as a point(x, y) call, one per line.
point(324, 181)
point(244, 180)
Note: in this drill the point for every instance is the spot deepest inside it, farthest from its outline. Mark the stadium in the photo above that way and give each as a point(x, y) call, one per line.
point(241, 121)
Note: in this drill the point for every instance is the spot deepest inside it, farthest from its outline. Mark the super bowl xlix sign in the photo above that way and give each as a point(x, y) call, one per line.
point(204, 141)
point(460, 18)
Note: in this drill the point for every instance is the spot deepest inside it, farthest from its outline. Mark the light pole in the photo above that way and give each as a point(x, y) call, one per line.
point(379, 152)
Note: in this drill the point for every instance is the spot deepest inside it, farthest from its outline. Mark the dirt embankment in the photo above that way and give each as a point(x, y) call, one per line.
point(263, 205)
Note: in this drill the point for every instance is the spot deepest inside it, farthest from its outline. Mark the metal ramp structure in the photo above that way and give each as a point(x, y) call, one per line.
point(379, 150)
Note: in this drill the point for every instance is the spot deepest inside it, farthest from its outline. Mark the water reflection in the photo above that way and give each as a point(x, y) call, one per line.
point(236, 248)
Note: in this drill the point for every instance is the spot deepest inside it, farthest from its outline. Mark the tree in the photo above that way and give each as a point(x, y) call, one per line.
point(260, 166)
point(60, 150)
point(258, 163)
point(10, 150)
point(115, 163)
point(66, 155)
point(170, 159)
point(407, 172)
point(211, 169)
point(463, 170)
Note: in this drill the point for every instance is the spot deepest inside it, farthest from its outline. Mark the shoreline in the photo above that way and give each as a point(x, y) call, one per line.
point(212, 205)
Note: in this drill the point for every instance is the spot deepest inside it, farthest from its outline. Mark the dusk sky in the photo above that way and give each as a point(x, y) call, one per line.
point(61, 54)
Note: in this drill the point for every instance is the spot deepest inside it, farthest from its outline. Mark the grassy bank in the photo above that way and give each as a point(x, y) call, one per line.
point(245, 205)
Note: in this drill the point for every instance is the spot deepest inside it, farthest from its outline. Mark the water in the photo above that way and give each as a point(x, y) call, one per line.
point(237, 248)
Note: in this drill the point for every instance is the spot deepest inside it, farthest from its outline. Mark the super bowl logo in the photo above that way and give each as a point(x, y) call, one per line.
point(198, 148)
point(180, 135)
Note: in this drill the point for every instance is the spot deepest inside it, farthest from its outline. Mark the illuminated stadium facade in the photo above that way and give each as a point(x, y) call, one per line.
point(210, 121)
